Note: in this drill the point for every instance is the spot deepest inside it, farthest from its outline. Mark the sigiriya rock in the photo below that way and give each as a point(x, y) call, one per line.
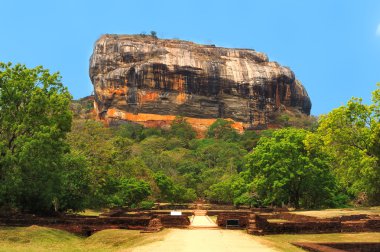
point(151, 81)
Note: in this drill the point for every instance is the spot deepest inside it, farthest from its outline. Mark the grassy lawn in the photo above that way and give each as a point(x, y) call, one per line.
point(282, 242)
point(328, 213)
point(36, 238)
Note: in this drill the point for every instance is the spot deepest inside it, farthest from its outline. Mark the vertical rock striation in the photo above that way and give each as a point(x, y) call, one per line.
point(150, 81)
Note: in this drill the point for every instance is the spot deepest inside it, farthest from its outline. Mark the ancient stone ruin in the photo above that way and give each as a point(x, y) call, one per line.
point(256, 221)
point(151, 81)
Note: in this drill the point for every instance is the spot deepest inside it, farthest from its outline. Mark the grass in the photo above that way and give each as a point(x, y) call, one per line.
point(328, 213)
point(116, 239)
point(90, 212)
point(36, 238)
point(282, 242)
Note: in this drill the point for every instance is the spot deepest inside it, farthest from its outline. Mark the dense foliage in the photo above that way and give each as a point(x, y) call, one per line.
point(350, 134)
point(309, 168)
point(284, 171)
point(35, 161)
point(52, 162)
point(176, 166)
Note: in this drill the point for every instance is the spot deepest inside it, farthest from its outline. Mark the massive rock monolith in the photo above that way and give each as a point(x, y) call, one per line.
point(151, 81)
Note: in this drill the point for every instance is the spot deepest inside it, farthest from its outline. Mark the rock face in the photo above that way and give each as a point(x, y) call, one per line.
point(151, 81)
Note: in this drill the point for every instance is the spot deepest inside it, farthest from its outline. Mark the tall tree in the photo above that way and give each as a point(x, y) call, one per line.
point(34, 119)
point(351, 135)
point(284, 171)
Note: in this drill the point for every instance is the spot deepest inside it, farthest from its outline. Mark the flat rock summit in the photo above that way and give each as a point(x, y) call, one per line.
point(150, 81)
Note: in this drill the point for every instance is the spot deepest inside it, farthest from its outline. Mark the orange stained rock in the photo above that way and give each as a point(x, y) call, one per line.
point(181, 83)
point(148, 96)
point(239, 126)
point(111, 90)
point(200, 125)
point(181, 98)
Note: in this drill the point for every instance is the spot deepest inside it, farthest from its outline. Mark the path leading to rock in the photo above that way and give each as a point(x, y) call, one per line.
point(199, 240)
point(202, 222)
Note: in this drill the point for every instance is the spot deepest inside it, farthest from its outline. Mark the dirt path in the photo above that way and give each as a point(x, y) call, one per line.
point(202, 221)
point(199, 240)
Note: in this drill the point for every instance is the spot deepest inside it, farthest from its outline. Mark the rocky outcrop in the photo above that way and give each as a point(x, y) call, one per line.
point(151, 81)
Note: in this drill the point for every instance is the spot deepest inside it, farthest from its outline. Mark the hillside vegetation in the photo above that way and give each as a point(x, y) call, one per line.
point(311, 167)
point(51, 161)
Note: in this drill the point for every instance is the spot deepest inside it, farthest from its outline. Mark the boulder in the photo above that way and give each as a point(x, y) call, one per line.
point(150, 81)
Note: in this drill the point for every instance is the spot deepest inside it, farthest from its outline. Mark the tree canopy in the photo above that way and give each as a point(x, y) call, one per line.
point(284, 171)
point(34, 119)
point(350, 134)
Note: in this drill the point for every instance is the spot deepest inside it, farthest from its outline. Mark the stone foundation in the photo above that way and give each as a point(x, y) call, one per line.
point(294, 223)
point(339, 246)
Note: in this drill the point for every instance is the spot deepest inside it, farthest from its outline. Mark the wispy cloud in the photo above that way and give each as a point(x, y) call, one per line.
point(378, 30)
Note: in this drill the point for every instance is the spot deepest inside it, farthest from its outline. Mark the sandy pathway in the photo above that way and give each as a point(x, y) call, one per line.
point(198, 240)
point(202, 221)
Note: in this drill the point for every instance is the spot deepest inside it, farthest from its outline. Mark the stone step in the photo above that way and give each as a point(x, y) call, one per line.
point(200, 212)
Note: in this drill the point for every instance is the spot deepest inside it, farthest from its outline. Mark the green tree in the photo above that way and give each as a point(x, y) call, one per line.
point(284, 171)
point(75, 188)
point(249, 139)
point(220, 192)
point(236, 189)
point(123, 192)
point(191, 171)
point(166, 186)
point(171, 191)
point(131, 131)
point(153, 34)
point(222, 129)
point(133, 191)
point(34, 119)
point(220, 154)
point(351, 135)
point(182, 129)
point(94, 142)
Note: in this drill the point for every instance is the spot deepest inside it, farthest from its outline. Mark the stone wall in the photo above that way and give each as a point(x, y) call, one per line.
point(242, 217)
point(294, 223)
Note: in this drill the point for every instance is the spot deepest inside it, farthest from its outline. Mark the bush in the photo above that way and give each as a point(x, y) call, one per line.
point(146, 204)
point(153, 34)
point(222, 129)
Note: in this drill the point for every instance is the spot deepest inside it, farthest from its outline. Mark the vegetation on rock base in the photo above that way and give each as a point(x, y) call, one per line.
point(45, 167)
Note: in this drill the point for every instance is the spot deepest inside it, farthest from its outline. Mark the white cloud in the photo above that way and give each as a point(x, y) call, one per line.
point(378, 30)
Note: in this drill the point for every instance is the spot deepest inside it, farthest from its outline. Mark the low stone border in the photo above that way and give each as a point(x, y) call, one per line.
point(339, 246)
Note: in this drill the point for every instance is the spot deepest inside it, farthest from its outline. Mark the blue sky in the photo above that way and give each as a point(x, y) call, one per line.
point(333, 46)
